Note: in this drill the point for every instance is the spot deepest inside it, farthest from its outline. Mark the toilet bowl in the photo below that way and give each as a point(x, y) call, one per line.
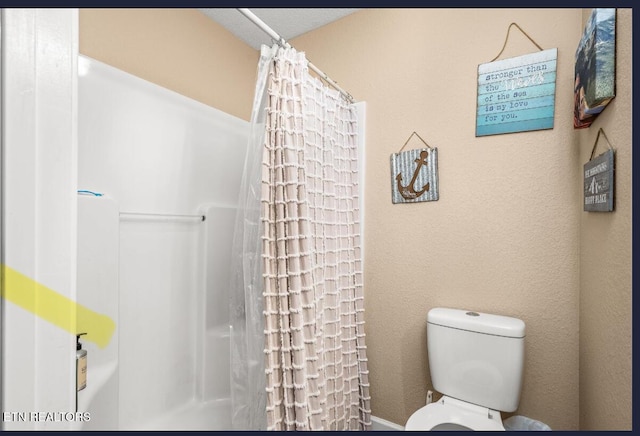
point(451, 414)
point(476, 362)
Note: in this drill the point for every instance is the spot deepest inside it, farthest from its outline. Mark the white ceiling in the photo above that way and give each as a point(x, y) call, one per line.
point(286, 22)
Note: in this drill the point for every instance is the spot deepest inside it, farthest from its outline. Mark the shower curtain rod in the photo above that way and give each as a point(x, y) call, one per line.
point(280, 40)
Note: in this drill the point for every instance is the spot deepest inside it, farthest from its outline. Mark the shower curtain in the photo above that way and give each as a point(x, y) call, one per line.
point(297, 307)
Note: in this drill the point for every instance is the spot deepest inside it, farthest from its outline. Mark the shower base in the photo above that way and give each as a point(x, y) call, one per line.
point(195, 416)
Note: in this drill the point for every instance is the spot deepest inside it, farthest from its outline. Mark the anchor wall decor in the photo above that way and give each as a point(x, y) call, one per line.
point(414, 174)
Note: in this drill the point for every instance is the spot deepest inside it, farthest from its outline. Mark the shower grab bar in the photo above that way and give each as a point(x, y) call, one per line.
point(134, 216)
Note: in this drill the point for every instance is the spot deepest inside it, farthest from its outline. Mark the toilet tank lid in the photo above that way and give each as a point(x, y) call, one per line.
point(477, 322)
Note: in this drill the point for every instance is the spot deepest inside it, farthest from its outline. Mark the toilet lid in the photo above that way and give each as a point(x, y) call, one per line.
point(449, 413)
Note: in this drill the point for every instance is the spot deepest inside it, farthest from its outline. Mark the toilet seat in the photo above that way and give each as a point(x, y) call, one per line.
point(452, 414)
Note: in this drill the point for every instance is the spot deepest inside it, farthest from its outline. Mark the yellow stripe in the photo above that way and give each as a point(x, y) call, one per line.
point(55, 308)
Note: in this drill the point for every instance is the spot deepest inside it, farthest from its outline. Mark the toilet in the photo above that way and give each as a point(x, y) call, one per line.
point(476, 362)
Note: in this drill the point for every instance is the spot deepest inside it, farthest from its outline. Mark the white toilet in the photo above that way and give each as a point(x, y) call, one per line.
point(476, 362)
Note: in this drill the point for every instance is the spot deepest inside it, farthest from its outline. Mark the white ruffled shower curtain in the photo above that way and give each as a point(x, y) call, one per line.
point(297, 307)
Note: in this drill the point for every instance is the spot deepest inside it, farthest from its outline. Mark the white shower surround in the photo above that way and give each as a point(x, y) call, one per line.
point(150, 150)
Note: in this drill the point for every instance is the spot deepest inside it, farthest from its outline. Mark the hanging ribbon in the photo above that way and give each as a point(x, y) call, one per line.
point(596, 143)
point(411, 136)
point(507, 38)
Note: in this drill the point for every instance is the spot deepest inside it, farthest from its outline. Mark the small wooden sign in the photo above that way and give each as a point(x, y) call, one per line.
point(414, 176)
point(517, 94)
point(598, 183)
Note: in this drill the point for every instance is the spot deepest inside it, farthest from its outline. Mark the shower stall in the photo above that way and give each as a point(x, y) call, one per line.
point(158, 180)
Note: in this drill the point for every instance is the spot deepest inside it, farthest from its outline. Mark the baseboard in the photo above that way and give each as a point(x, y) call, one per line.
point(379, 424)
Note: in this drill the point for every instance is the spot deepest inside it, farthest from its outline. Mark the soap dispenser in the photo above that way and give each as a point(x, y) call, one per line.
point(81, 364)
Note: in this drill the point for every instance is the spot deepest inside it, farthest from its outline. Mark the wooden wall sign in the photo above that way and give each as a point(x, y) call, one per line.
point(517, 94)
point(598, 181)
point(414, 175)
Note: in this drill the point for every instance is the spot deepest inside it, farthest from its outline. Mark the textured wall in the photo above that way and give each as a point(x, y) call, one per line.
point(180, 49)
point(605, 262)
point(504, 236)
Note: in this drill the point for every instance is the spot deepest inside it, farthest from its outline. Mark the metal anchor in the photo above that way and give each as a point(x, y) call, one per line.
point(408, 192)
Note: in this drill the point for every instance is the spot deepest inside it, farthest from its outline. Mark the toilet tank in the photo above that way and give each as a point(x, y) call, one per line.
point(476, 357)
